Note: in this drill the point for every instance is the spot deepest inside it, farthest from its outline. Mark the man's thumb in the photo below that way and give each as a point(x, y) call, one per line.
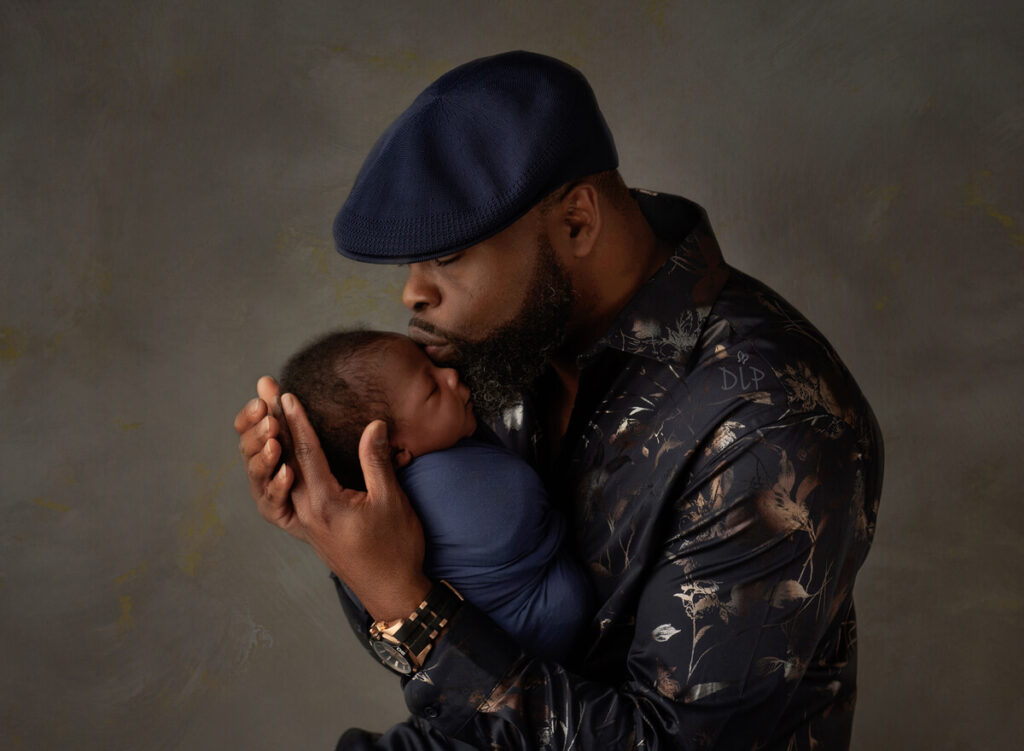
point(375, 459)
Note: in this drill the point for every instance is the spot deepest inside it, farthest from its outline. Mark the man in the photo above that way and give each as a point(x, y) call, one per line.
point(718, 464)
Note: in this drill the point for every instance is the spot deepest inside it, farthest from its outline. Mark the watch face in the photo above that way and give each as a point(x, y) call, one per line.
point(391, 657)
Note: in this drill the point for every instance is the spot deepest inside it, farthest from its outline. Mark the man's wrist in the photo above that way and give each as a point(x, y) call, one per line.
point(395, 600)
point(466, 666)
point(403, 644)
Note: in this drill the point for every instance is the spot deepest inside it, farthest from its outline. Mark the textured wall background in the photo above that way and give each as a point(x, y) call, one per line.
point(169, 176)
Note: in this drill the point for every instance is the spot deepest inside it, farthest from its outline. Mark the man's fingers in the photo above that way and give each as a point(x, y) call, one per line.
point(275, 504)
point(375, 459)
point(260, 467)
point(253, 411)
point(255, 438)
point(267, 389)
point(275, 501)
point(313, 467)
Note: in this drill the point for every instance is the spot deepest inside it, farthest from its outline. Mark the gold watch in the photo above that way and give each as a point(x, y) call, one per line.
point(403, 644)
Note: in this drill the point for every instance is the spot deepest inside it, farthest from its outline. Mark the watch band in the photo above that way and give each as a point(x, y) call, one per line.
point(412, 638)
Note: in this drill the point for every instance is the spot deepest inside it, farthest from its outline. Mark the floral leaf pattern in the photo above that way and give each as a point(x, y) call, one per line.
point(664, 632)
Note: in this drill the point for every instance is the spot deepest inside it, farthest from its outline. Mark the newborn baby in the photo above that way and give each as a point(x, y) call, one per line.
point(489, 528)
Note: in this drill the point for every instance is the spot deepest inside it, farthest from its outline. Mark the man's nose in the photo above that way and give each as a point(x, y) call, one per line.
point(419, 292)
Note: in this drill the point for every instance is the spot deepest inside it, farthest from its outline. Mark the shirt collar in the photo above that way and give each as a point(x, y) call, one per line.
point(666, 316)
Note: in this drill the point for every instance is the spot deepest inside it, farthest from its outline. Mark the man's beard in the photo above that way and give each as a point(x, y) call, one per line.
point(502, 365)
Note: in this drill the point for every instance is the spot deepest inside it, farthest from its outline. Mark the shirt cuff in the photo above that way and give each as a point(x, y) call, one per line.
point(461, 671)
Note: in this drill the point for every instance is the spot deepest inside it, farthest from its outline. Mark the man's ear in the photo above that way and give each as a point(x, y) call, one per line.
point(581, 215)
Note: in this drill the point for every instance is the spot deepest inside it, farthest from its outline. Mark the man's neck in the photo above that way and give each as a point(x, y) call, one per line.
point(630, 255)
point(558, 400)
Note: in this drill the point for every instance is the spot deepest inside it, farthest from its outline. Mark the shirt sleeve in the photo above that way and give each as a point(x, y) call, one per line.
point(747, 602)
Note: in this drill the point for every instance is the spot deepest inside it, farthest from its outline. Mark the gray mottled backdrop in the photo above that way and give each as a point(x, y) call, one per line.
point(169, 176)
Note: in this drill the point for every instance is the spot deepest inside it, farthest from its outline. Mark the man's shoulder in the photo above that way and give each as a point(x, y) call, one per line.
point(760, 350)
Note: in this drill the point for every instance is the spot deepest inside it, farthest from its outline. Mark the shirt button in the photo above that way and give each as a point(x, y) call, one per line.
point(431, 712)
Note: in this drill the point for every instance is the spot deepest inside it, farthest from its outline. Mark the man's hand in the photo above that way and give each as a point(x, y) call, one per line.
point(373, 541)
point(259, 442)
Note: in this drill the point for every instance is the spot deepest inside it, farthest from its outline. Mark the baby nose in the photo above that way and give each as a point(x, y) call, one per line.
point(451, 377)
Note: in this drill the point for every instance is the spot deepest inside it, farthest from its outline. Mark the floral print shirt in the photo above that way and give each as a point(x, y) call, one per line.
point(721, 474)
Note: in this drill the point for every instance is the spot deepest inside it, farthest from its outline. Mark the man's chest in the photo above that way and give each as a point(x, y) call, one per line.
point(616, 478)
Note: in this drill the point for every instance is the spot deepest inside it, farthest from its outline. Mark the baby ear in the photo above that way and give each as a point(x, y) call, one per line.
point(401, 456)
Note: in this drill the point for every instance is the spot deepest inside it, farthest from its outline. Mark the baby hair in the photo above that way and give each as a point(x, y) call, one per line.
point(335, 379)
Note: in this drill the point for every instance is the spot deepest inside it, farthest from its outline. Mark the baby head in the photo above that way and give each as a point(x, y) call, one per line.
point(347, 379)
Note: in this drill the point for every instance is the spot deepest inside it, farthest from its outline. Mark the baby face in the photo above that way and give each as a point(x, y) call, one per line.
point(430, 405)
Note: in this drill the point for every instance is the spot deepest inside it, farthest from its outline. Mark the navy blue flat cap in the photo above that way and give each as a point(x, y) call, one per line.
point(474, 152)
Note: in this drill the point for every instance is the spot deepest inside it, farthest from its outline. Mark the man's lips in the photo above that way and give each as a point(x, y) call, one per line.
point(422, 336)
point(431, 343)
